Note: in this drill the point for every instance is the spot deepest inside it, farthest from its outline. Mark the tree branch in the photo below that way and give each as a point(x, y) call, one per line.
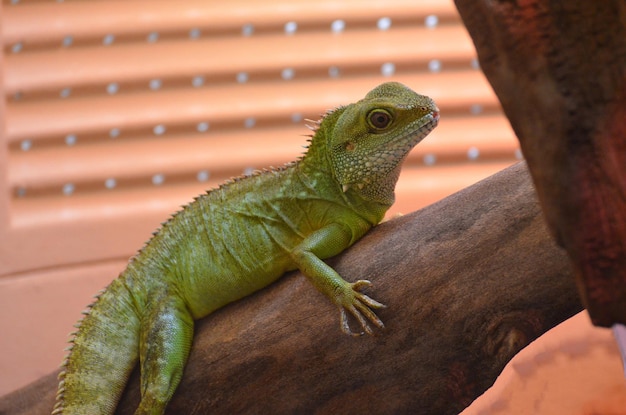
point(468, 282)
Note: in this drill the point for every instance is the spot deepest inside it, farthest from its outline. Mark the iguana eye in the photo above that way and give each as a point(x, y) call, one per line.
point(379, 119)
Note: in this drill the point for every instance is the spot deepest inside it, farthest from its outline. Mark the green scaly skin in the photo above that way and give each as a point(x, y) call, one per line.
point(239, 238)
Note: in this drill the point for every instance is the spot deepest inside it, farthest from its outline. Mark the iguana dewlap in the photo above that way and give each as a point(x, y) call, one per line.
point(239, 238)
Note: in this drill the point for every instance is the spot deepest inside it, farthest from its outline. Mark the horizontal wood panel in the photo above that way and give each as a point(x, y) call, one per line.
point(49, 21)
point(435, 181)
point(138, 61)
point(230, 153)
point(106, 225)
point(417, 183)
point(453, 91)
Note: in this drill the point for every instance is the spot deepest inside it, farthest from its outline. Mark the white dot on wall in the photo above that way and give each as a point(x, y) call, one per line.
point(476, 109)
point(194, 33)
point(431, 21)
point(434, 65)
point(203, 175)
point(288, 73)
point(114, 132)
point(384, 23)
point(242, 77)
point(152, 37)
point(338, 26)
point(388, 69)
point(15, 1)
point(70, 139)
point(197, 81)
point(108, 39)
point(158, 129)
point(158, 179)
point(112, 88)
point(334, 72)
point(110, 183)
point(249, 122)
point(247, 29)
point(17, 48)
point(21, 191)
point(68, 40)
point(296, 117)
point(155, 84)
point(473, 153)
point(475, 64)
point(26, 145)
point(202, 127)
point(291, 28)
point(65, 92)
point(68, 189)
point(518, 154)
point(430, 159)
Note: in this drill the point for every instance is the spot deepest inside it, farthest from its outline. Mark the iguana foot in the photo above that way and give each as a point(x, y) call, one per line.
point(360, 307)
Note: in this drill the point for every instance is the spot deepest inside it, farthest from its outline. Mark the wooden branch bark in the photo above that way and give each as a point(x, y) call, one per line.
point(559, 70)
point(468, 282)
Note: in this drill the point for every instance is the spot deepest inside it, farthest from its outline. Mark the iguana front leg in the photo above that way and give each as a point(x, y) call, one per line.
point(325, 243)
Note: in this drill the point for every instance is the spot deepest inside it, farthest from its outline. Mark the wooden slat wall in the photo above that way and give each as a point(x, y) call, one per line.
point(117, 112)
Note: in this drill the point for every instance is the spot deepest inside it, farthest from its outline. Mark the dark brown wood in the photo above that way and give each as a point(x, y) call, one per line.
point(468, 282)
point(559, 70)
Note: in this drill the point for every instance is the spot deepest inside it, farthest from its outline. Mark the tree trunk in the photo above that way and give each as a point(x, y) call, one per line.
point(468, 282)
point(559, 70)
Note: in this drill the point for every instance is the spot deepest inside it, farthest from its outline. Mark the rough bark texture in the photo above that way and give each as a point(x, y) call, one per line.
point(468, 282)
point(559, 70)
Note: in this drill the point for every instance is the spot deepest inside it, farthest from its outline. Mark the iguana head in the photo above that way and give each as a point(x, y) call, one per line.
point(370, 139)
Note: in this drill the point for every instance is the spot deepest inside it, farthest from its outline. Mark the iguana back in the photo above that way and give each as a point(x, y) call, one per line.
point(239, 238)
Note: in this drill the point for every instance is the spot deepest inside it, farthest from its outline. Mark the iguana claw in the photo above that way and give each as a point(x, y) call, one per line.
point(360, 308)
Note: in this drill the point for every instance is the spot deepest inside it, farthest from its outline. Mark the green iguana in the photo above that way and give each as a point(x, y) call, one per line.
point(239, 238)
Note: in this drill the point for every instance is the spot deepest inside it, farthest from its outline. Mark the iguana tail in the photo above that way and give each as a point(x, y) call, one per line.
point(102, 354)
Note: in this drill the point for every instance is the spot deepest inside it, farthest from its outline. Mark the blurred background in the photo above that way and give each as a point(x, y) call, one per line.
point(116, 112)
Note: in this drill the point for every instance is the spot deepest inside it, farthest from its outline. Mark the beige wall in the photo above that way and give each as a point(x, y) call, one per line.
point(98, 109)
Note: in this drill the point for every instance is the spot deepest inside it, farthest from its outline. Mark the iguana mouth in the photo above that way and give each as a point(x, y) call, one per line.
point(435, 114)
point(421, 133)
